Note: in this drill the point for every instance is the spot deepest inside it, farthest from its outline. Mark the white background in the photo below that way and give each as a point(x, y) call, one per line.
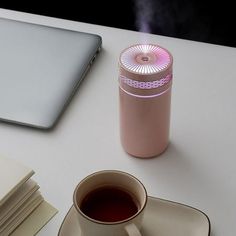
point(198, 168)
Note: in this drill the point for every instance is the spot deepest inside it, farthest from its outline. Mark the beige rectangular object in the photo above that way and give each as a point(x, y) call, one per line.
point(36, 220)
point(12, 176)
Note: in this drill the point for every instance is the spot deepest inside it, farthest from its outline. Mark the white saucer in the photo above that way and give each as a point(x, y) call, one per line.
point(162, 218)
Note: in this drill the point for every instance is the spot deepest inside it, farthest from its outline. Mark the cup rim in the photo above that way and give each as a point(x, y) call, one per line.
point(105, 222)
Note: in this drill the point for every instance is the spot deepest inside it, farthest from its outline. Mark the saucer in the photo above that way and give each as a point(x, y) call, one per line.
point(162, 218)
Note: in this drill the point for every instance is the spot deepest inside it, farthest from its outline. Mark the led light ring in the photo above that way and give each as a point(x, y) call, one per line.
point(146, 85)
point(145, 96)
point(130, 62)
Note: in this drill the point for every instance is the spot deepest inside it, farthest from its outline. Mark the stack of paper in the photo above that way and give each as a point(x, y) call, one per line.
point(19, 195)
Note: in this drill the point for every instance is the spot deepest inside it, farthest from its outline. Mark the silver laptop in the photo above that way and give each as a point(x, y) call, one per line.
point(40, 69)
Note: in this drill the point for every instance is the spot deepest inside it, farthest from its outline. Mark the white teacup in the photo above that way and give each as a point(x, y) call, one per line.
point(113, 179)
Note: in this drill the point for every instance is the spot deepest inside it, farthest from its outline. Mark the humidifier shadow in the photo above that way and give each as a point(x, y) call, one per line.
point(170, 170)
point(175, 154)
point(172, 159)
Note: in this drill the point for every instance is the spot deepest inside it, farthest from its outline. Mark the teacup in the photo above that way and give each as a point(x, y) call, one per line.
point(110, 202)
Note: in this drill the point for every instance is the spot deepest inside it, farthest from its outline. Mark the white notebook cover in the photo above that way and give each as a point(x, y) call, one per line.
point(12, 175)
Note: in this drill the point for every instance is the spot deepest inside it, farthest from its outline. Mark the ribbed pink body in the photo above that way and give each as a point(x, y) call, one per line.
point(145, 99)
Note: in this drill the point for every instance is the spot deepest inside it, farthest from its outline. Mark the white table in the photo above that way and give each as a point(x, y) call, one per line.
point(199, 167)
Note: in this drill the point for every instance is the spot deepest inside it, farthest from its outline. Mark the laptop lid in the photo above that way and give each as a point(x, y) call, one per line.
point(40, 69)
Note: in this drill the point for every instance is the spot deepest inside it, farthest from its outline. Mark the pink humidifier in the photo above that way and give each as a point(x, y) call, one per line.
point(145, 96)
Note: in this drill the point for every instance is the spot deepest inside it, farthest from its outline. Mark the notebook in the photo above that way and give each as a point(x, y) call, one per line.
point(40, 70)
point(17, 200)
point(21, 201)
point(12, 176)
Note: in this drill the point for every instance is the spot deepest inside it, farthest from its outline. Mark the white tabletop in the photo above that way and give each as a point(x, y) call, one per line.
point(198, 168)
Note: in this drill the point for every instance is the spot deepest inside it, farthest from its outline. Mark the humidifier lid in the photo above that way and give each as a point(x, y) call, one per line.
point(145, 59)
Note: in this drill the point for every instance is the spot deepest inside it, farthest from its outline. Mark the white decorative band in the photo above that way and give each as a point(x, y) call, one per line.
point(145, 96)
point(146, 85)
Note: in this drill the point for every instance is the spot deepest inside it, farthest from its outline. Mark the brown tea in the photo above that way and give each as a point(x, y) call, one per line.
point(109, 204)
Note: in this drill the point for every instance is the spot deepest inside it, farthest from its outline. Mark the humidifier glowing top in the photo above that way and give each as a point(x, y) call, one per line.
point(145, 59)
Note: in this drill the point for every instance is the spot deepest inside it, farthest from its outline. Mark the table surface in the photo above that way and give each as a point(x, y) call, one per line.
point(198, 168)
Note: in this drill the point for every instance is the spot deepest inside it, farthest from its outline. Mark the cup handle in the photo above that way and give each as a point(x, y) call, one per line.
point(132, 230)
